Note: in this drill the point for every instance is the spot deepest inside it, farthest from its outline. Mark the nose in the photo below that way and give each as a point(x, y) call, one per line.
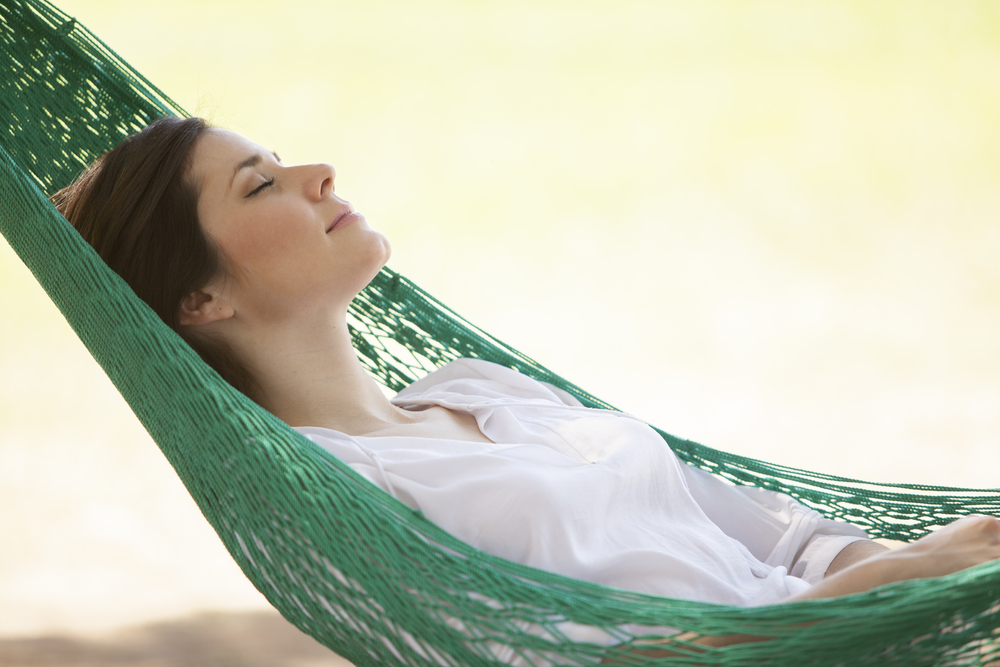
point(319, 181)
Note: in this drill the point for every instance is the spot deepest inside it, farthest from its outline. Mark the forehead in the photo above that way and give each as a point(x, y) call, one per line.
point(216, 155)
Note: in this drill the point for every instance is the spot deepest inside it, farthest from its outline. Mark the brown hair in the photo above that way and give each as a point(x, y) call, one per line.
point(138, 207)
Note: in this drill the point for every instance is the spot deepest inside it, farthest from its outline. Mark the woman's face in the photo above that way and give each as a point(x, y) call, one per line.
point(290, 241)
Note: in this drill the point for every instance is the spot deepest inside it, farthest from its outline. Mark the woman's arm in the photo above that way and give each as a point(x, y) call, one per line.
point(969, 541)
point(855, 552)
point(862, 566)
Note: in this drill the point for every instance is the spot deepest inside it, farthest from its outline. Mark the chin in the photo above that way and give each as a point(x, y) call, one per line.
point(379, 247)
point(377, 255)
point(388, 250)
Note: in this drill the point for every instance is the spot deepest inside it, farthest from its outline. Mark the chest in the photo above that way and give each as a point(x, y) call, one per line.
point(441, 424)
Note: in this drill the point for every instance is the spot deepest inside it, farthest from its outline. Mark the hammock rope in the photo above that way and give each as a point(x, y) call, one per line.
point(359, 571)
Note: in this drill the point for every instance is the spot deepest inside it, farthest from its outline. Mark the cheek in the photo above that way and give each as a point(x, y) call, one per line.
point(266, 246)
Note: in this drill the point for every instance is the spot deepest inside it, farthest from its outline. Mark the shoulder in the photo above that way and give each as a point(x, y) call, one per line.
point(484, 379)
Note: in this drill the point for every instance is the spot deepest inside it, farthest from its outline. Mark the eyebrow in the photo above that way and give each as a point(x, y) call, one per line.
point(251, 161)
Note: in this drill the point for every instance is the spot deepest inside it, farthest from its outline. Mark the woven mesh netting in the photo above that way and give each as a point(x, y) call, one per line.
point(356, 569)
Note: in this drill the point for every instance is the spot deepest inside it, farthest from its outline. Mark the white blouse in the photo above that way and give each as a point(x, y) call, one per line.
point(590, 494)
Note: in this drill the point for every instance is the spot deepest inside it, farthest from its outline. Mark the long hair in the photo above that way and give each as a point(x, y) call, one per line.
point(137, 205)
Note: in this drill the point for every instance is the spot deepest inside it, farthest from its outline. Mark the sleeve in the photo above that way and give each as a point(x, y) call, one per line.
point(777, 529)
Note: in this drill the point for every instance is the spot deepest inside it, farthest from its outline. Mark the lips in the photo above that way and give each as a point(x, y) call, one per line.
point(340, 217)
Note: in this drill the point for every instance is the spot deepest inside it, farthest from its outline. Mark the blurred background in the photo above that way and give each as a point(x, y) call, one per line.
point(769, 226)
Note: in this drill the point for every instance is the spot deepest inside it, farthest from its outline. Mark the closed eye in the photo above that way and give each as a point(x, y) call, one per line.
point(265, 184)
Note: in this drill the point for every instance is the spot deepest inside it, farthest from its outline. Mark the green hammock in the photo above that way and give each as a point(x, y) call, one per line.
point(359, 571)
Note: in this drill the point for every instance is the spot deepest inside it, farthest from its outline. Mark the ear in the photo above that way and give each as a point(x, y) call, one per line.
point(200, 307)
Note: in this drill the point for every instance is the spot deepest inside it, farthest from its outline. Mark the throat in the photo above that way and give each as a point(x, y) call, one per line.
point(311, 376)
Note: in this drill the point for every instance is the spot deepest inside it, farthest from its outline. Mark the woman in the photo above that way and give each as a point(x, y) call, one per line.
point(254, 263)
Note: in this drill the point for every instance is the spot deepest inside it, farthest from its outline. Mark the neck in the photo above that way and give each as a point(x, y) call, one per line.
point(311, 376)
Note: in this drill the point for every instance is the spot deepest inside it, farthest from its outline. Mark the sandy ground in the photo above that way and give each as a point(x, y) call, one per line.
point(256, 639)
